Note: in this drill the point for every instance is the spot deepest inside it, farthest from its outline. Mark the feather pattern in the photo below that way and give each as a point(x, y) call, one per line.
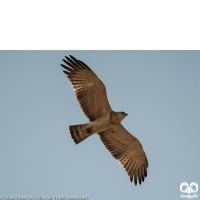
point(127, 149)
point(90, 90)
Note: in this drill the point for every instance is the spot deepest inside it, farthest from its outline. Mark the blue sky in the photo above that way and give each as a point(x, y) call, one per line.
point(160, 91)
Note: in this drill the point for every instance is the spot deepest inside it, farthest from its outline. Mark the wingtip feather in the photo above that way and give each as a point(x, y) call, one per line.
point(67, 73)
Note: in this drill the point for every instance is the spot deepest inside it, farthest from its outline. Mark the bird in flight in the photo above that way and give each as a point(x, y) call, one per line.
point(92, 98)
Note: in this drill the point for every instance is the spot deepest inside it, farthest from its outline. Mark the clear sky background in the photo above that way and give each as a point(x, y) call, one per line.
point(160, 91)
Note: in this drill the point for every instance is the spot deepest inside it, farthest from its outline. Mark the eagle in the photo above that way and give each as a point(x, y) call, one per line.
point(92, 98)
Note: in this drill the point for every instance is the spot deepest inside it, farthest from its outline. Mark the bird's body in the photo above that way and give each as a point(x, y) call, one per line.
point(82, 131)
point(92, 98)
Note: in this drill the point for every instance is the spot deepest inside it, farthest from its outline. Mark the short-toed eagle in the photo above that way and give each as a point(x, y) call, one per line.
point(92, 98)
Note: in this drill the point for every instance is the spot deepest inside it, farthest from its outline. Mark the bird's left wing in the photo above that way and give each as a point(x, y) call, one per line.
point(128, 150)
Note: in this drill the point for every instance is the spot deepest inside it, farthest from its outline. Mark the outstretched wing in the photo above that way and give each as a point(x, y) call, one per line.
point(90, 90)
point(128, 150)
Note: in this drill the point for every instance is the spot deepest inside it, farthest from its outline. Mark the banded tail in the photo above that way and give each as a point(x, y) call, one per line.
point(80, 132)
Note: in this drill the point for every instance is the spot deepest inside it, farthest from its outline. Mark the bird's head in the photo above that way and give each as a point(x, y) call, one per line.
point(123, 115)
point(117, 117)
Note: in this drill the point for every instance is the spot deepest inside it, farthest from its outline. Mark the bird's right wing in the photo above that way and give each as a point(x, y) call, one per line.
point(90, 90)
